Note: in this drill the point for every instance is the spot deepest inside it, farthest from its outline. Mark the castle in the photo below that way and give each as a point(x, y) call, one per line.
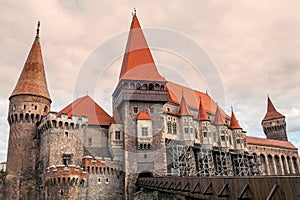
point(158, 128)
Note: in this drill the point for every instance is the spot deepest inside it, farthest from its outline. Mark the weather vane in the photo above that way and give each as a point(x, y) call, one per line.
point(134, 12)
point(38, 28)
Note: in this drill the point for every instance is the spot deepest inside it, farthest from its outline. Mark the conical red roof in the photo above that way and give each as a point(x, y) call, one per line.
point(202, 116)
point(184, 109)
point(143, 116)
point(272, 113)
point(32, 80)
point(234, 124)
point(138, 63)
point(86, 106)
point(219, 118)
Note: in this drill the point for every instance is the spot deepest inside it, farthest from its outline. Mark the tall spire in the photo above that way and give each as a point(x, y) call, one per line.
point(234, 124)
point(184, 109)
point(138, 63)
point(202, 116)
point(272, 113)
point(219, 119)
point(32, 80)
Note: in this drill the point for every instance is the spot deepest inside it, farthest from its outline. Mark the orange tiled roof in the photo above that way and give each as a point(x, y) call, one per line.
point(202, 116)
point(86, 106)
point(234, 124)
point(192, 98)
point(138, 63)
point(184, 109)
point(269, 142)
point(272, 113)
point(143, 116)
point(219, 118)
point(33, 79)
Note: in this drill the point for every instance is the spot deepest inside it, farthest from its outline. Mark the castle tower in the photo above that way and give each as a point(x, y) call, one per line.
point(186, 122)
point(273, 124)
point(204, 134)
point(238, 136)
point(141, 91)
point(29, 102)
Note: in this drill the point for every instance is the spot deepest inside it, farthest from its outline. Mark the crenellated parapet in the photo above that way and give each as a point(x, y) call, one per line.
point(55, 121)
point(69, 175)
point(101, 166)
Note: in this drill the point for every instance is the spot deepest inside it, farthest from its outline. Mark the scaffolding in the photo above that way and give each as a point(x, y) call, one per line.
point(205, 162)
point(183, 159)
point(223, 163)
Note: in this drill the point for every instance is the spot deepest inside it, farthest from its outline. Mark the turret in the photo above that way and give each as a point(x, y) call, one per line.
point(186, 120)
point(273, 124)
point(204, 135)
point(29, 102)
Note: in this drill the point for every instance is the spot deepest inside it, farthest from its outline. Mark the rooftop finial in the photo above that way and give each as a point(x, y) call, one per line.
point(134, 12)
point(182, 94)
point(231, 108)
point(38, 29)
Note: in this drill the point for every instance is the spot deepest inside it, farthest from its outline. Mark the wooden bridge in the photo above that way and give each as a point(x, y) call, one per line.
point(241, 188)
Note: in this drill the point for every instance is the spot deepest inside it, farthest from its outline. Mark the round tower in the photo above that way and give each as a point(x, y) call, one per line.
point(28, 103)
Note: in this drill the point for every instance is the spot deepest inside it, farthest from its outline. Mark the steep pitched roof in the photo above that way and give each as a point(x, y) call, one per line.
point(184, 109)
point(33, 79)
point(219, 118)
point(272, 113)
point(86, 106)
point(192, 98)
point(234, 124)
point(202, 116)
point(269, 142)
point(138, 63)
point(143, 116)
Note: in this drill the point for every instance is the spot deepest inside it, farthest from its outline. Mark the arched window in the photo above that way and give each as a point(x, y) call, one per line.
point(271, 165)
point(278, 165)
point(151, 87)
point(284, 165)
point(295, 164)
point(290, 164)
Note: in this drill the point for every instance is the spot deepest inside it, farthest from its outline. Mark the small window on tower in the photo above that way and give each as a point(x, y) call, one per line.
point(90, 140)
point(238, 141)
point(24, 107)
point(66, 134)
point(35, 107)
point(144, 131)
point(46, 109)
point(135, 109)
point(66, 159)
point(118, 135)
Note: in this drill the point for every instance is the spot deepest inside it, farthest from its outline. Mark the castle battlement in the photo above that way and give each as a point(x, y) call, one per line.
point(60, 174)
point(101, 166)
point(63, 121)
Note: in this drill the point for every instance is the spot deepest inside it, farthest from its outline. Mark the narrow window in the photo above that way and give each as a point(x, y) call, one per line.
point(46, 109)
point(222, 138)
point(169, 127)
point(66, 134)
point(90, 140)
point(238, 141)
point(186, 130)
point(135, 109)
point(24, 107)
point(204, 134)
point(35, 107)
point(145, 155)
point(144, 131)
point(174, 128)
point(118, 135)
point(151, 110)
point(66, 159)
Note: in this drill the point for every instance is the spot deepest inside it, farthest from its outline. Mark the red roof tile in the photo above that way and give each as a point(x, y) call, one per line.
point(143, 116)
point(269, 142)
point(202, 116)
point(272, 113)
point(234, 124)
point(184, 109)
point(33, 79)
point(138, 63)
point(192, 98)
point(86, 106)
point(219, 118)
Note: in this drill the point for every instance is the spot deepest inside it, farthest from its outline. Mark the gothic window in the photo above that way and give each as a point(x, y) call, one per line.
point(135, 109)
point(169, 124)
point(118, 135)
point(174, 128)
point(90, 141)
point(186, 130)
point(66, 159)
point(145, 131)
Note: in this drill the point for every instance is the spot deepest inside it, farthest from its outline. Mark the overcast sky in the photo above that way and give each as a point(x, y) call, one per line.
point(253, 45)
